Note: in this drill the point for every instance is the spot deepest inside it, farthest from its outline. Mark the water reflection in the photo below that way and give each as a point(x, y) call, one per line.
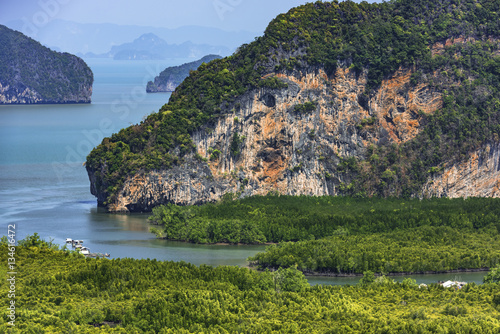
point(130, 222)
point(127, 235)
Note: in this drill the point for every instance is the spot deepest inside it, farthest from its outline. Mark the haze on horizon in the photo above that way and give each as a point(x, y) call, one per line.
point(79, 27)
point(230, 15)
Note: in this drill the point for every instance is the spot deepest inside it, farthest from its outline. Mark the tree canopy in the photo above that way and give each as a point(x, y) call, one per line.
point(61, 291)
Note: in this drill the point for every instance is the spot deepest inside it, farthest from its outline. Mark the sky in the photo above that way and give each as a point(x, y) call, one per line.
point(230, 15)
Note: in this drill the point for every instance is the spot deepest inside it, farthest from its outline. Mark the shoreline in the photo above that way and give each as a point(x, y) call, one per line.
point(331, 274)
point(240, 244)
point(219, 243)
point(44, 103)
point(451, 271)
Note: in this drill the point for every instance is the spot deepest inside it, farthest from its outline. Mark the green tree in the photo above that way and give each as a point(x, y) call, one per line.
point(368, 278)
point(289, 279)
point(156, 231)
point(409, 282)
point(493, 276)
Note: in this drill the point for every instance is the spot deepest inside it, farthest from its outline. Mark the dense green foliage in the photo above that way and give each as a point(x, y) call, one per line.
point(184, 224)
point(381, 235)
point(379, 38)
point(176, 74)
point(25, 63)
point(415, 250)
point(59, 291)
point(493, 276)
point(287, 218)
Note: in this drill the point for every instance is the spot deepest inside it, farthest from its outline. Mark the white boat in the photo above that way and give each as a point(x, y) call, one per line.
point(78, 246)
point(451, 284)
point(76, 242)
point(68, 240)
point(85, 251)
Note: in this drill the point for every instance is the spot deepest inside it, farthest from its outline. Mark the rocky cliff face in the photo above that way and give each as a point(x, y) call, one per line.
point(269, 144)
point(479, 176)
point(19, 93)
point(334, 98)
point(161, 86)
point(10, 95)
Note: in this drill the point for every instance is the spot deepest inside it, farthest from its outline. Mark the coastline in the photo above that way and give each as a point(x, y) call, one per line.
point(451, 271)
point(41, 103)
point(308, 273)
point(218, 243)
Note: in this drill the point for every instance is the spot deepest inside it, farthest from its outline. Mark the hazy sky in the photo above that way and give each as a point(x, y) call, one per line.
point(232, 15)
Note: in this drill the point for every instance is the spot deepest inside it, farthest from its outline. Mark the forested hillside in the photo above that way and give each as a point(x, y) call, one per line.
point(62, 292)
point(32, 73)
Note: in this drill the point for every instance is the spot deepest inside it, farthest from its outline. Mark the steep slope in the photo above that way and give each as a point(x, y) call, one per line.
point(32, 73)
point(479, 175)
point(335, 98)
point(171, 77)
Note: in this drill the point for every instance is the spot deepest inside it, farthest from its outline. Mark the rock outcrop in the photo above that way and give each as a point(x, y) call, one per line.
point(479, 176)
point(281, 149)
point(31, 73)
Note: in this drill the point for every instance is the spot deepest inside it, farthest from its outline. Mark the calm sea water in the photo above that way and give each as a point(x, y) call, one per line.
point(44, 187)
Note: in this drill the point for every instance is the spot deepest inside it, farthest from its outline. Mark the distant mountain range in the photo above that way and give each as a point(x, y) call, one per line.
point(151, 47)
point(94, 39)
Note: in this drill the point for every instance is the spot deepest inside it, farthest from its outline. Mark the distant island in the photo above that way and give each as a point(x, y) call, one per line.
point(33, 74)
point(172, 77)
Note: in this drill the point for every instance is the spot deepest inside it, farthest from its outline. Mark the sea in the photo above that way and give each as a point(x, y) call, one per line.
point(44, 187)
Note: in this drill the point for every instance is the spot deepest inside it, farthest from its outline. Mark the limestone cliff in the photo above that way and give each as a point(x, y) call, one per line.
point(479, 176)
point(31, 73)
point(284, 150)
point(335, 99)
